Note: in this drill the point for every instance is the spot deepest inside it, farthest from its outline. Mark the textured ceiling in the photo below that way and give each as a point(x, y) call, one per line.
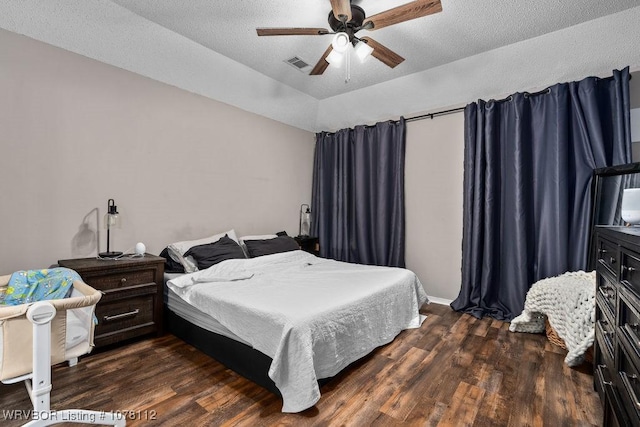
point(464, 28)
point(472, 49)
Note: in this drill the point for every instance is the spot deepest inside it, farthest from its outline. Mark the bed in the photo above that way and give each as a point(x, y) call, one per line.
point(288, 320)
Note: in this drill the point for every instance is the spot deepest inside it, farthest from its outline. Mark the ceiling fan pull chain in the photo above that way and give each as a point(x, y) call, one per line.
point(348, 67)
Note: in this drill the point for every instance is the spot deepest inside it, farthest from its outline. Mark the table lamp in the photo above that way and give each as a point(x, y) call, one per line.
point(111, 220)
point(305, 220)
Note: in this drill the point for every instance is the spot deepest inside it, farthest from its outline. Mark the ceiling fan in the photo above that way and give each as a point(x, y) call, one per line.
point(346, 19)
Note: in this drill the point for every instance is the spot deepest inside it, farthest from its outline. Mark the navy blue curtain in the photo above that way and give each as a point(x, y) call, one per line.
point(358, 194)
point(528, 166)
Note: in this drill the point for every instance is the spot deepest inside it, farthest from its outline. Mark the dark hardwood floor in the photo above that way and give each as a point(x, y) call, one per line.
point(455, 370)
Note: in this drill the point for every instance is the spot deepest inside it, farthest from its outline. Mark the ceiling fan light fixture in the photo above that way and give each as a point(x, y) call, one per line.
point(363, 50)
point(346, 19)
point(340, 42)
point(335, 59)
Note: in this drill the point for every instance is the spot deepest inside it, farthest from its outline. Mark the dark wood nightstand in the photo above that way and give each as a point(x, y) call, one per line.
point(131, 304)
point(308, 244)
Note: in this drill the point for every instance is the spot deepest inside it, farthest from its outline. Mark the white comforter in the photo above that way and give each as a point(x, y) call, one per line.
point(312, 316)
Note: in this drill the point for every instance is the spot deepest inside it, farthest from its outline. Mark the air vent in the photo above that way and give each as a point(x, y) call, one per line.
point(297, 63)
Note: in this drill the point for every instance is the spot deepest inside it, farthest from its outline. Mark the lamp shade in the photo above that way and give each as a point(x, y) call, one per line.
point(335, 59)
point(340, 42)
point(630, 211)
point(111, 220)
point(363, 51)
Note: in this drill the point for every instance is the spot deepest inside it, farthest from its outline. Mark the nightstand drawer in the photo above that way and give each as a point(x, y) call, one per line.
point(125, 314)
point(120, 279)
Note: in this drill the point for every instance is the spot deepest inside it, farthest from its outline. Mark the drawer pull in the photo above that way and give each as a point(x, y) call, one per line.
point(602, 251)
point(632, 330)
point(123, 280)
point(604, 291)
point(627, 384)
point(121, 316)
point(629, 269)
point(601, 375)
point(612, 260)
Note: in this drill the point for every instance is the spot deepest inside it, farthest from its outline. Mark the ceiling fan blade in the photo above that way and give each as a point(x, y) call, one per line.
point(292, 31)
point(383, 53)
point(341, 10)
point(405, 12)
point(322, 63)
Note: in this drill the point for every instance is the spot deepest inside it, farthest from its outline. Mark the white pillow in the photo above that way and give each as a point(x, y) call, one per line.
point(178, 249)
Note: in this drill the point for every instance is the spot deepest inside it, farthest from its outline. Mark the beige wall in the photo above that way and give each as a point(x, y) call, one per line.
point(634, 100)
point(433, 185)
point(75, 132)
point(634, 90)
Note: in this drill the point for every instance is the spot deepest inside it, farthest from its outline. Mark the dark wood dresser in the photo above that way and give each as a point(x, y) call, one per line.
point(131, 304)
point(617, 343)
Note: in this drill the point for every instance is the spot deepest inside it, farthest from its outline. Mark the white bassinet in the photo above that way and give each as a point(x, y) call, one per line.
point(71, 331)
point(37, 335)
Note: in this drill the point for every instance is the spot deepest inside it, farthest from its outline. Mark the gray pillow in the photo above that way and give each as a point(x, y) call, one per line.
point(212, 253)
point(276, 245)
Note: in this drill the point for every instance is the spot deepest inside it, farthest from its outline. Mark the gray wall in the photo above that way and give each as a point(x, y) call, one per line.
point(75, 132)
point(433, 184)
point(634, 90)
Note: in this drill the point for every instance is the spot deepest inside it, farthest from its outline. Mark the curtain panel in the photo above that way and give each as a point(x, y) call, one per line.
point(528, 167)
point(358, 194)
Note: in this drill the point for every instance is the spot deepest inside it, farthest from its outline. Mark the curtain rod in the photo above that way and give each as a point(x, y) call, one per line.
point(436, 114)
point(423, 116)
point(455, 110)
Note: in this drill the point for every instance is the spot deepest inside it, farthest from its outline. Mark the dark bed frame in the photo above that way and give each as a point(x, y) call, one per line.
point(239, 357)
point(242, 359)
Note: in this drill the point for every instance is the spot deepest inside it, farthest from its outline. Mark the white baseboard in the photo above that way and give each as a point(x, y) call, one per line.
point(441, 301)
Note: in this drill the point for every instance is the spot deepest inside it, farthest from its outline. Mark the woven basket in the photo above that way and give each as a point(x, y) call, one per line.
point(553, 337)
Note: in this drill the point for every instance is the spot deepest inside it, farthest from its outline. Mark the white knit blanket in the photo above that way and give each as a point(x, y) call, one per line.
point(569, 302)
